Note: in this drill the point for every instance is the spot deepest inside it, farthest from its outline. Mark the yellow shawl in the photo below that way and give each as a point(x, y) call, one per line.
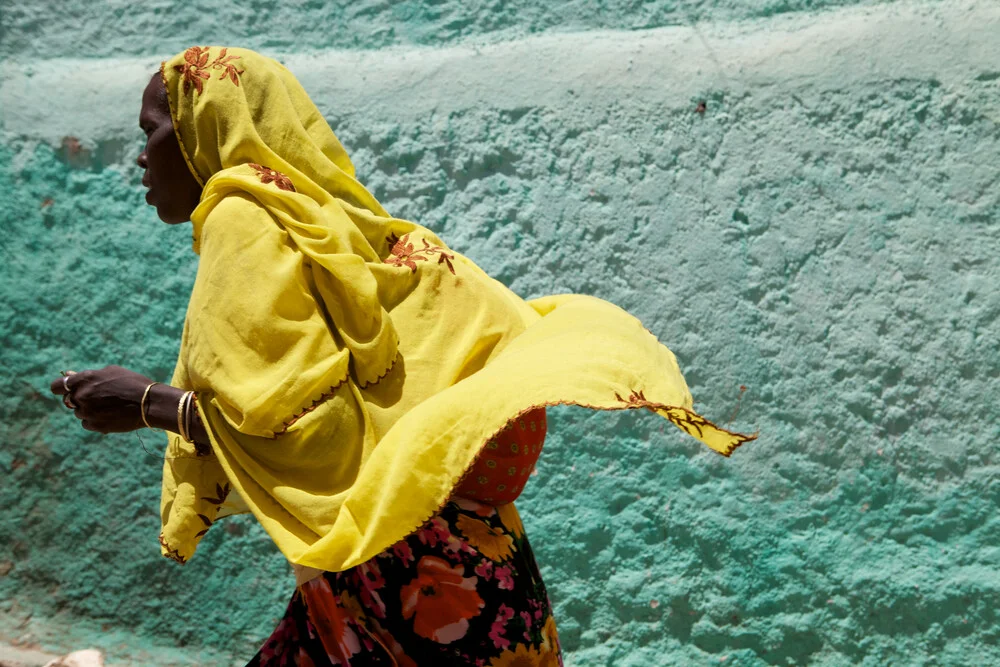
point(349, 365)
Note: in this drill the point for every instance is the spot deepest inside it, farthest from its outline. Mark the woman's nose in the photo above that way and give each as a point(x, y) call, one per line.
point(141, 160)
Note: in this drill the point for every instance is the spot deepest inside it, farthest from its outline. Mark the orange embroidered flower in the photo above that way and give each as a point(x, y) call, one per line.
point(492, 543)
point(511, 519)
point(268, 175)
point(403, 253)
point(228, 69)
point(440, 600)
point(524, 656)
point(196, 60)
point(196, 66)
point(636, 399)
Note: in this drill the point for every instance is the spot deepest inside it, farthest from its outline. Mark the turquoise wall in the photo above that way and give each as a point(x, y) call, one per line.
point(824, 234)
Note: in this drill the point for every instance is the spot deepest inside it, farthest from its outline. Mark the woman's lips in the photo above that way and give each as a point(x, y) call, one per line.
point(149, 196)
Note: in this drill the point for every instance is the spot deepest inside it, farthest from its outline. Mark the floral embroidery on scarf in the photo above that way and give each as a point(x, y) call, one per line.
point(268, 175)
point(196, 68)
point(404, 253)
point(636, 399)
point(687, 421)
point(208, 524)
point(221, 492)
point(691, 423)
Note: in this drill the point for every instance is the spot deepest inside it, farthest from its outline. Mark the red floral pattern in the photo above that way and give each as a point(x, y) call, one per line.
point(440, 600)
point(430, 599)
point(636, 399)
point(196, 68)
point(332, 622)
point(268, 175)
point(404, 253)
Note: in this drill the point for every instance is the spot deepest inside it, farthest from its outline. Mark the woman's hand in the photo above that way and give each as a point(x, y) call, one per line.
point(105, 400)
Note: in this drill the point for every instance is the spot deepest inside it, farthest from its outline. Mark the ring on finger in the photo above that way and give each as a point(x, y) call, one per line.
point(67, 399)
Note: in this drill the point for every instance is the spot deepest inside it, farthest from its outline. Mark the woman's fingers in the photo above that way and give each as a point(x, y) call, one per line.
point(58, 387)
point(105, 400)
point(63, 385)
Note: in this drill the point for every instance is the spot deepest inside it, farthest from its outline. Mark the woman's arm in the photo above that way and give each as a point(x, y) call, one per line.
point(161, 412)
point(108, 401)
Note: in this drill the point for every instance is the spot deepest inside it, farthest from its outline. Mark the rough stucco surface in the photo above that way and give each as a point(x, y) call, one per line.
point(824, 234)
point(51, 28)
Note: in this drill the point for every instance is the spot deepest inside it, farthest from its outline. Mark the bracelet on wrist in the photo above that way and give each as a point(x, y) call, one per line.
point(142, 404)
point(188, 416)
point(181, 415)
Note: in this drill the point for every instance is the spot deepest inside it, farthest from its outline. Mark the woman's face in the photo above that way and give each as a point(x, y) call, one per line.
point(173, 190)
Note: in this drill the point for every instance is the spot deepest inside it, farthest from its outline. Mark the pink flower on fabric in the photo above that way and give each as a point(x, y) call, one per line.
point(504, 579)
point(436, 532)
point(403, 552)
point(370, 579)
point(283, 637)
point(497, 629)
point(484, 570)
point(526, 617)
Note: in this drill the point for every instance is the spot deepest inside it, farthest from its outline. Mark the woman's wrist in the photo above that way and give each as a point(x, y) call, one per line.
point(162, 403)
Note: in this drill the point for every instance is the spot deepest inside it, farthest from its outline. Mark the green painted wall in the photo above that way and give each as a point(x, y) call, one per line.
point(825, 234)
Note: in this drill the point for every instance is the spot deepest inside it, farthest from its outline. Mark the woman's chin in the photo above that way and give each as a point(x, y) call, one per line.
point(167, 216)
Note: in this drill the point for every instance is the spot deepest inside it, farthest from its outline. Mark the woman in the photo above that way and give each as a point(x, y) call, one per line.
point(373, 397)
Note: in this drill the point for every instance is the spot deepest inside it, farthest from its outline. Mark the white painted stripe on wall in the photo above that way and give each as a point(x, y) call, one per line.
point(952, 42)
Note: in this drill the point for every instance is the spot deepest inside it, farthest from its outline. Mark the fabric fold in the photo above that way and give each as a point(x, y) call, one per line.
point(350, 365)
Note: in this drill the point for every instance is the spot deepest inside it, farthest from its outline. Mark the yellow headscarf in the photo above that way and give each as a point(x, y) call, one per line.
point(349, 365)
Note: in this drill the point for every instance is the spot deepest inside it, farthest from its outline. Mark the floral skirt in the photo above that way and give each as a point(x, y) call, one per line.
point(462, 590)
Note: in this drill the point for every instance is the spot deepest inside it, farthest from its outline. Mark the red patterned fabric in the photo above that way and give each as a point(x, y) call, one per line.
point(503, 466)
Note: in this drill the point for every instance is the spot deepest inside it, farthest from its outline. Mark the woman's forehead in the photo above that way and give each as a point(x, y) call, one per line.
point(154, 97)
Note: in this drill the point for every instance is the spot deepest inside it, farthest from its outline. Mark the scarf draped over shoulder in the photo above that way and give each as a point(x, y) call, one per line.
point(349, 365)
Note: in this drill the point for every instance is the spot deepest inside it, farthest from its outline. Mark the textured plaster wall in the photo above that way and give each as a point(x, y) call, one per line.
point(824, 234)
